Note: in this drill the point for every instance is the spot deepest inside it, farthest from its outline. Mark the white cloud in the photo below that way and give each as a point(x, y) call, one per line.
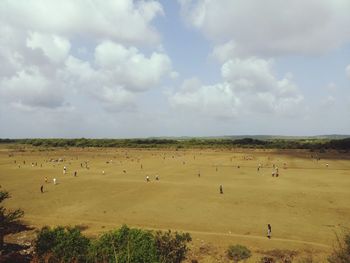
point(248, 87)
point(218, 101)
point(117, 74)
point(122, 20)
point(41, 40)
point(270, 27)
point(29, 88)
point(331, 87)
point(224, 51)
point(347, 71)
point(174, 74)
point(56, 48)
point(328, 102)
point(129, 67)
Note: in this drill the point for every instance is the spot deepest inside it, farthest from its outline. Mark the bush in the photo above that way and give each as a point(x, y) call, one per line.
point(64, 244)
point(281, 255)
point(172, 248)
point(238, 253)
point(124, 245)
point(267, 260)
point(341, 253)
point(7, 218)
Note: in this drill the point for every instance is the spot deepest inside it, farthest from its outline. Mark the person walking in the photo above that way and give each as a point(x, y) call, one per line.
point(269, 231)
point(221, 190)
point(42, 189)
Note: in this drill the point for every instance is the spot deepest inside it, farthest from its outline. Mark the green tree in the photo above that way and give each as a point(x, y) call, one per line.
point(172, 248)
point(7, 218)
point(124, 245)
point(63, 244)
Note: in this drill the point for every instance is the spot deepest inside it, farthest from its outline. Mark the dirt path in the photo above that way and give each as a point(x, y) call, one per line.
point(205, 233)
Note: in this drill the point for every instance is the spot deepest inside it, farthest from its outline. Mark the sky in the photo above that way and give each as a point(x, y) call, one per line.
point(128, 68)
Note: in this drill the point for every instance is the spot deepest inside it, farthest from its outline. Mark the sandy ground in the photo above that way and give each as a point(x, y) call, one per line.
point(305, 205)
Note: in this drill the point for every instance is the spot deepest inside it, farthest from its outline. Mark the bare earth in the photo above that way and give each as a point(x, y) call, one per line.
point(305, 205)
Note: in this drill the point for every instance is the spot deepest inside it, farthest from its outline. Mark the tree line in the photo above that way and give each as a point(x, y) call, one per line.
point(311, 144)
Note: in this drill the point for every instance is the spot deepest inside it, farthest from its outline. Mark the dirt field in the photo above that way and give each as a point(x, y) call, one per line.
point(305, 204)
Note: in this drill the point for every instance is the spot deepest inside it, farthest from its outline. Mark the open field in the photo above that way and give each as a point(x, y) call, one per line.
point(304, 205)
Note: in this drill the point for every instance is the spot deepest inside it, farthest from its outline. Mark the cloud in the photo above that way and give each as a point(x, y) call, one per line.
point(30, 88)
point(328, 102)
point(56, 48)
point(129, 67)
point(270, 28)
point(123, 20)
point(224, 51)
point(53, 50)
point(217, 101)
point(347, 71)
point(116, 75)
point(248, 87)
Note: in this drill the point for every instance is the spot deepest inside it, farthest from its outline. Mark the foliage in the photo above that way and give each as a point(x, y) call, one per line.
point(280, 255)
point(267, 260)
point(341, 253)
point(124, 245)
point(238, 253)
point(64, 244)
point(172, 247)
point(7, 218)
point(319, 144)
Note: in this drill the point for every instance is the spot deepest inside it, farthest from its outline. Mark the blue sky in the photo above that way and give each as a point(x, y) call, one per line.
point(123, 68)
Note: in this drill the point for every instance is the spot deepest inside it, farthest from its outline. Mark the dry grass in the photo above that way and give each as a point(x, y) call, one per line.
point(304, 205)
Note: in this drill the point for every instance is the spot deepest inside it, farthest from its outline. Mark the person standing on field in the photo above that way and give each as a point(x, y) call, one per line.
point(42, 189)
point(269, 231)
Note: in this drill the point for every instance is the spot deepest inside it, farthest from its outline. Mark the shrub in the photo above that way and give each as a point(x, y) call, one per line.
point(238, 253)
point(124, 245)
point(341, 253)
point(306, 259)
point(281, 255)
point(7, 218)
point(267, 260)
point(64, 244)
point(172, 248)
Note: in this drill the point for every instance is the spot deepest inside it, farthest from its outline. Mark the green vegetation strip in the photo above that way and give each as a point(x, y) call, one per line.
point(307, 143)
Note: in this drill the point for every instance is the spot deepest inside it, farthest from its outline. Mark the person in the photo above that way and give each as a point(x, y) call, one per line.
point(269, 231)
point(221, 190)
point(157, 178)
point(75, 173)
point(45, 179)
point(42, 189)
point(147, 178)
point(54, 180)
